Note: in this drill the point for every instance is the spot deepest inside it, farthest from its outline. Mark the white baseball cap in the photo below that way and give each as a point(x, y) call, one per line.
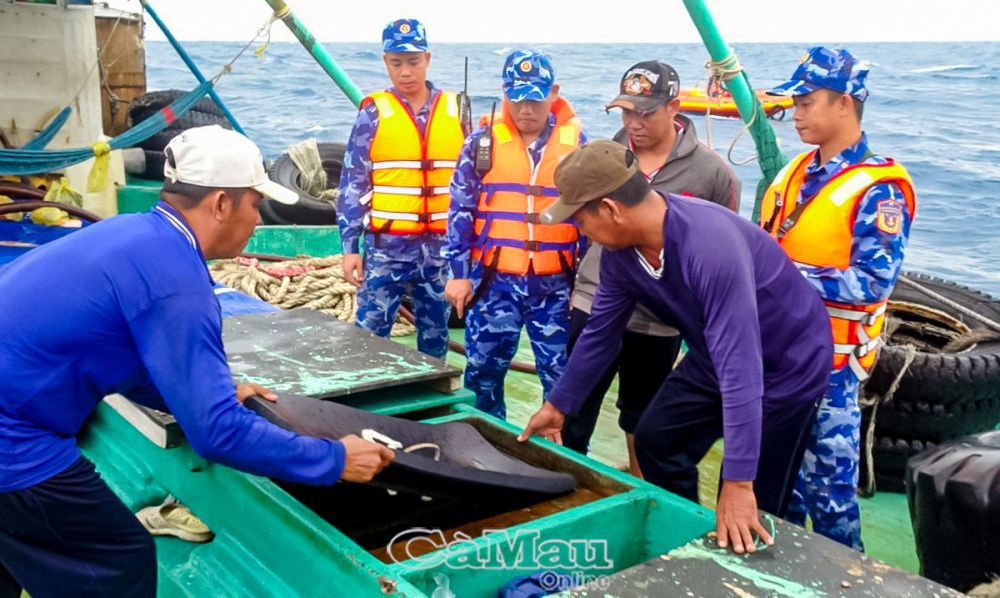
point(216, 157)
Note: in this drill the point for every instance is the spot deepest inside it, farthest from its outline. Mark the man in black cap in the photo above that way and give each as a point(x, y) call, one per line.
point(673, 161)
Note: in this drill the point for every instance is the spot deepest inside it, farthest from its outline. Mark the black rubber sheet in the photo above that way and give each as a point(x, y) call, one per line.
point(447, 460)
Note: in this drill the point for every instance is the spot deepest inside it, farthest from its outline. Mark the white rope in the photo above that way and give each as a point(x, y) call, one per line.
point(957, 306)
point(726, 69)
point(425, 445)
point(97, 62)
point(264, 29)
point(874, 401)
point(720, 71)
point(743, 130)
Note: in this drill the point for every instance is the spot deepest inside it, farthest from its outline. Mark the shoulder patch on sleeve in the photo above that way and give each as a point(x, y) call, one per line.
point(889, 216)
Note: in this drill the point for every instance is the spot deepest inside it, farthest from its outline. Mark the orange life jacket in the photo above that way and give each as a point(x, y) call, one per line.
point(821, 234)
point(513, 195)
point(410, 172)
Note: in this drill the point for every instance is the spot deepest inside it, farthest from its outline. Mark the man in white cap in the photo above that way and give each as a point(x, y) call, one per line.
point(127, 306)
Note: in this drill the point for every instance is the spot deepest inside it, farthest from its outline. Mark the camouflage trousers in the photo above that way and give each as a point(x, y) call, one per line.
point(493, 329)
point(387, 280)
point(827, 487)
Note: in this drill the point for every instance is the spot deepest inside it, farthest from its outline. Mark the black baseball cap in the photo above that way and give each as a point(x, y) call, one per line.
point(646, 86)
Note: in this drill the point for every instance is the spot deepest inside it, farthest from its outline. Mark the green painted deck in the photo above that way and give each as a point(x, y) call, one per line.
point(885, 518)
point(139, 195)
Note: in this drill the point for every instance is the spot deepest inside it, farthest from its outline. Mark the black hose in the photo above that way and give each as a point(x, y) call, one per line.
point(457, 347)
point(19, 190)
point(27, 206)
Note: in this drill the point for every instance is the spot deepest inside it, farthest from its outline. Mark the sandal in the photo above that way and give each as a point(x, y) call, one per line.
point(174, 519)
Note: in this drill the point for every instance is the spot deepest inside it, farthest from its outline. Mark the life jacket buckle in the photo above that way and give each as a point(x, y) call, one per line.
point(535, 190)
point(531, 245)
point(533, 218)
point(863, 349)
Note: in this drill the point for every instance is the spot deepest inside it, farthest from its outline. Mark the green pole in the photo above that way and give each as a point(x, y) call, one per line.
point(771, 159)
point(719, 50)
point(317, 50)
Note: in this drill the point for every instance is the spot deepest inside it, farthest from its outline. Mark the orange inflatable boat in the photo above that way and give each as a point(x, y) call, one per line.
point(696, 101)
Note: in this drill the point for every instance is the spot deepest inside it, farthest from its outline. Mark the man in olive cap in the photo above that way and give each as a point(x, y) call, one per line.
point(758, 337)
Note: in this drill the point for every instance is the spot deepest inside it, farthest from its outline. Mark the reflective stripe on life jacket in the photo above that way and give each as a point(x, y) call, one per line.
point(410, 172)
point(513, 195)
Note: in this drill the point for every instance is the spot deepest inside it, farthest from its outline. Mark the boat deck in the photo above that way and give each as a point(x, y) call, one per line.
point(885, 518)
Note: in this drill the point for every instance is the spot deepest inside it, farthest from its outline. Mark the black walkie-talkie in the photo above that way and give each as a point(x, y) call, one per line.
point(465, 104)
point(484, 149)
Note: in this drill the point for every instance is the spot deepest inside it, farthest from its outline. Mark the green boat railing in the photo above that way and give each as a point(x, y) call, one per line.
point(268, 542)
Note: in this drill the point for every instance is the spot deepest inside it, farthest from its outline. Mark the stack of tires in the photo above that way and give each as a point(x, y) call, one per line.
point(204, 112)
point(949, 390)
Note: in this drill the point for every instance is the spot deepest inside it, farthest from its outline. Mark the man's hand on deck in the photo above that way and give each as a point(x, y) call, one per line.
point(547, 422)
point(354, 271)
point(458, 292)
point(245, 391)
point(737, 519)
point(364, 459)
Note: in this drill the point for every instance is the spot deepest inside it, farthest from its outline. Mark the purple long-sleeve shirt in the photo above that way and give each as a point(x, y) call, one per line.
point(755, 329)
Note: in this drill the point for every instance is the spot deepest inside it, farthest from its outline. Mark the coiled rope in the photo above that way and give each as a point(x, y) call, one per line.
point(720, 71)
point(769, 155)
point(317, 283)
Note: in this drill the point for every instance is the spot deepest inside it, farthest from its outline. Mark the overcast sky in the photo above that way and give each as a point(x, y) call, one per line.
point(641, 21)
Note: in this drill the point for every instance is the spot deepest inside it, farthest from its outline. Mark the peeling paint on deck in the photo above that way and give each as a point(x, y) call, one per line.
point(309, 353)
point(799, 564)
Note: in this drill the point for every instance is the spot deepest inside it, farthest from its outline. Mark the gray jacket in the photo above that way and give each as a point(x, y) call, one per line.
point(691, 169)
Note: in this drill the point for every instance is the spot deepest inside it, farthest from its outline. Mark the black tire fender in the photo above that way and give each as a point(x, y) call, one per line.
point(309, 209)
point(937, 374)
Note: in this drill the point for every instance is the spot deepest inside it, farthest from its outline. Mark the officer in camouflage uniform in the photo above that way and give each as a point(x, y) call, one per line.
point(395, 264)
point(829, 88)
point(509, 270)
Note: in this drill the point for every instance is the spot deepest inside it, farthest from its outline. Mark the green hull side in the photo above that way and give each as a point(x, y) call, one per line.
point(268, 543)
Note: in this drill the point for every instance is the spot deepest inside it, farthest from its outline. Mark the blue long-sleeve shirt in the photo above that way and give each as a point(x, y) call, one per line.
point(354, 201)
point(127, 306)
point(876, 254)
point(461, 235)
point(755, 330)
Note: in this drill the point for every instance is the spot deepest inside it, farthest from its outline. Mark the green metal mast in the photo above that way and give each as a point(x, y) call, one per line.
point(343, 81)
point(769, 154)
